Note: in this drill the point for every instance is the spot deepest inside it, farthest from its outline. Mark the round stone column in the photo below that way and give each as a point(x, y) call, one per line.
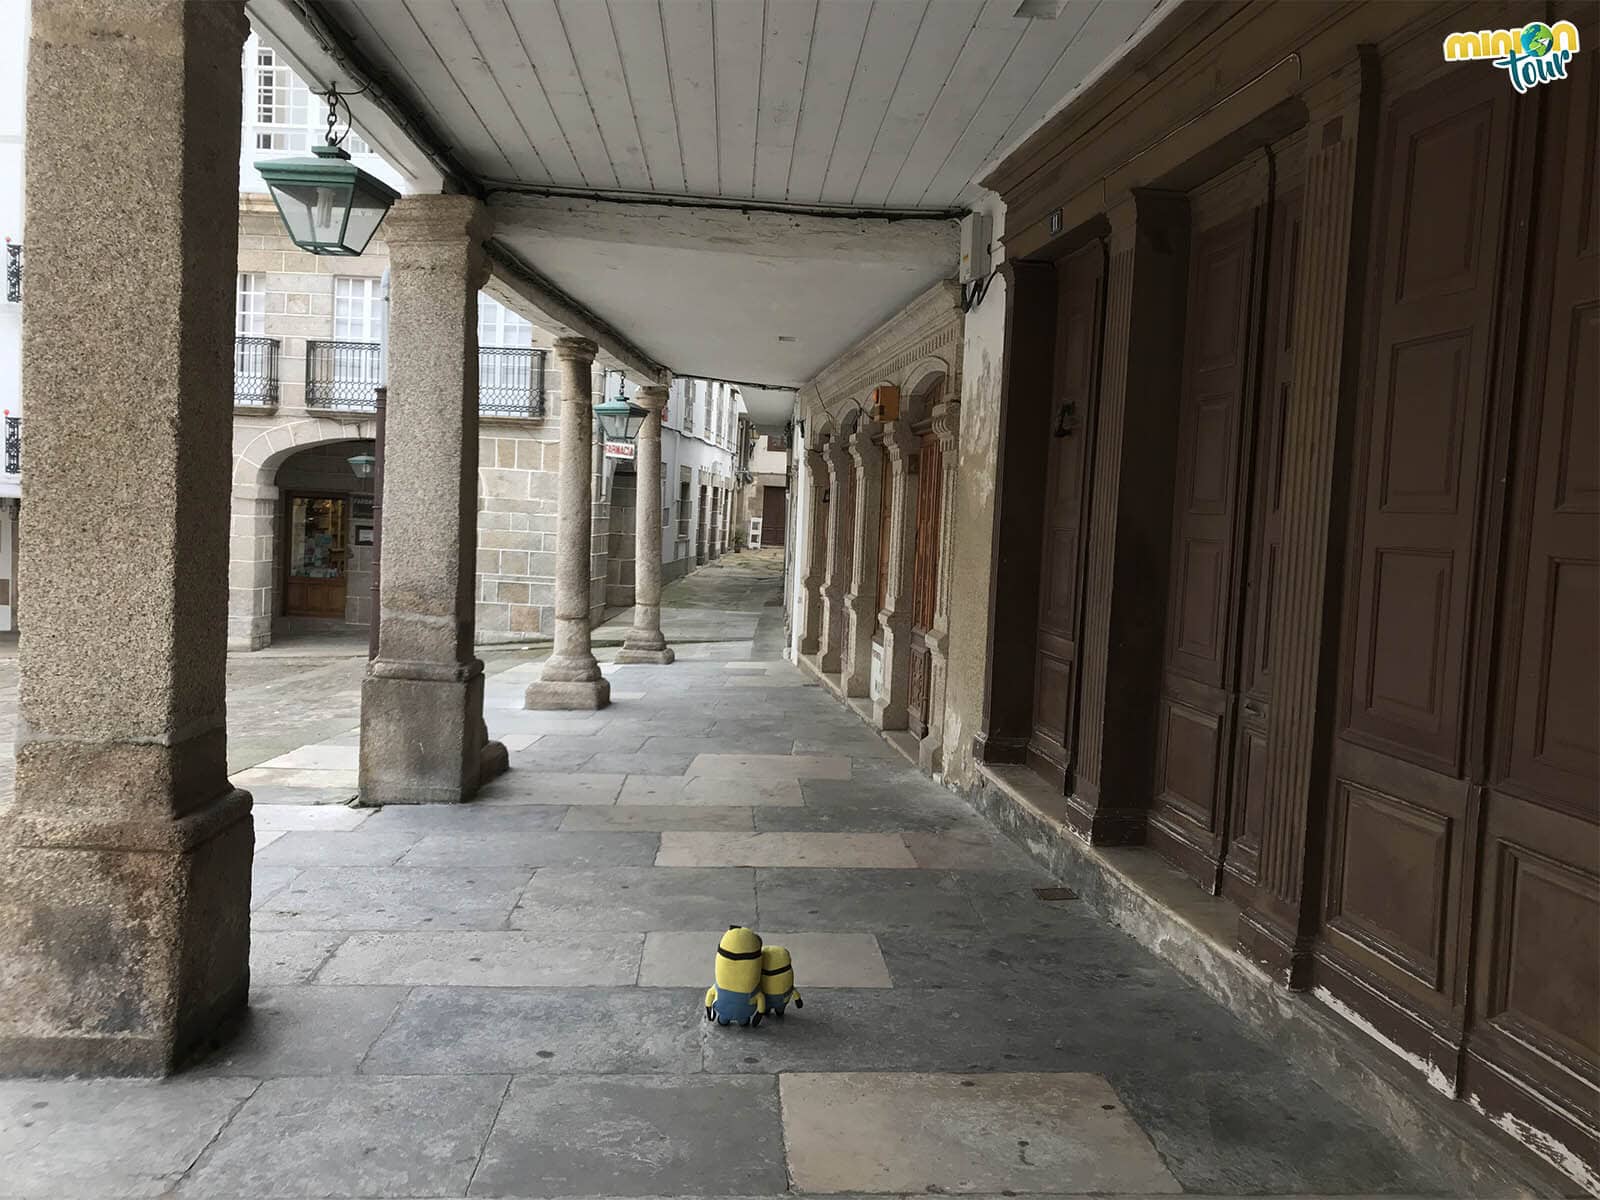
point(645, 643)
point(571, 677)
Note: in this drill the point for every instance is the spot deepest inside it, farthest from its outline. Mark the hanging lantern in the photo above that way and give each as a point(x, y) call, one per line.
point(361, 465)
point(620, 419)
point(330, 205)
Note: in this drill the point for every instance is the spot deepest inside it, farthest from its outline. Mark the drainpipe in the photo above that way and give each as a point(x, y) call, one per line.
point(380, 401)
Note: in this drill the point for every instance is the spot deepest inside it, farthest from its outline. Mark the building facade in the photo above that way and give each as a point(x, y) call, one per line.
point(1271, 497)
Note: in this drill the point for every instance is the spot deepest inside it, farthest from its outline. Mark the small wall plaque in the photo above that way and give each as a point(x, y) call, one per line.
point(1055, 222)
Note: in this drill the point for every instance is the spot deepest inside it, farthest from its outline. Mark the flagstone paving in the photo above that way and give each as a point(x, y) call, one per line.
point(506, 998)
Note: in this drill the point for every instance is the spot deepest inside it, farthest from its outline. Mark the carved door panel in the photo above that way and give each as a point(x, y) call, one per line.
point(1538, 895)
point(924, 579)
point(1199, 686)
point(1403, 813)
point(1246, 801)
point(1051, 746)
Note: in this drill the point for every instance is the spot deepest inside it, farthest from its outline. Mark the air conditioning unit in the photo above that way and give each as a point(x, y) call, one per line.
point(885, 404)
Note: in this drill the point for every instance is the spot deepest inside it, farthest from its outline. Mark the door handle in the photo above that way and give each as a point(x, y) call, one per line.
point(1066, 420)
point(1252, 708)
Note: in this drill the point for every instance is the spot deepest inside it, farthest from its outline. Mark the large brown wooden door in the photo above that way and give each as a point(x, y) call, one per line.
point(1537, 953)
point(1246, 799)
point(1200, 683)
point(1403, 812)
point(774, 515)
point(1078, 308)
point(924, 581)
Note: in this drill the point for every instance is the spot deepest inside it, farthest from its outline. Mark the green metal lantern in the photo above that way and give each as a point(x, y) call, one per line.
point(330, 205)
point(620, 419)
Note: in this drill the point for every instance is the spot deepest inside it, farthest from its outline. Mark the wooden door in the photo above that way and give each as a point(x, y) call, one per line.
point(885, 512)
point(1070, 438)
point(1245, 799)
point(1534, 1033)
point(317, 556)
point(1403, 814)
point(924, 580)
point(1200, 682)
point(774, 515)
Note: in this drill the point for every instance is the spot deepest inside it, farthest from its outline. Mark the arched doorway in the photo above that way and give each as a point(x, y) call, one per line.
point(324, 552)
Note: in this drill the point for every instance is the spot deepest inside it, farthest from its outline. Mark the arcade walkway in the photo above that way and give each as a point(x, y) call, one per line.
point(504, 998)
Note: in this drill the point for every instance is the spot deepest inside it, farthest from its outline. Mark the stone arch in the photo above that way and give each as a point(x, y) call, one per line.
point(927, 384)
point(253, 519)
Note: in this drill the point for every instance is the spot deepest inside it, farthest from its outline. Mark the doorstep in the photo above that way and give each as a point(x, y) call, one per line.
point(1163, 910)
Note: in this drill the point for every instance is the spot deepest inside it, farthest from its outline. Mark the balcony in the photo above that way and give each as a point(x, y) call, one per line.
point(255, 372)
point(341, 375)
point(13, 272)
point(13, 463)
point(511, 381)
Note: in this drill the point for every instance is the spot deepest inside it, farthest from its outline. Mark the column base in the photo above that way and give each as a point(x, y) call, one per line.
point(632, 654)
point(422, 734)
point(125, 941)
point(568, 695)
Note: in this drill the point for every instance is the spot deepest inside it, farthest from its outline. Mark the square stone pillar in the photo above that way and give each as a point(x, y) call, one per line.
point(861, 602)
point(423, 739)
point(841, 519)
point(571, 677)
point(890, 709)
point(645, 642)
point(251, 577)
point(816, 554)
point(125, 861)
point(947, 427)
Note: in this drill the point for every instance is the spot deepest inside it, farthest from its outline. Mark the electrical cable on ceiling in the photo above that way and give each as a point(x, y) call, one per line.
point(972, 295)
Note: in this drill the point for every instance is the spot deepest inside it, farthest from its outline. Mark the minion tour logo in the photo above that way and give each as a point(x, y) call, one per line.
point(1537, 53)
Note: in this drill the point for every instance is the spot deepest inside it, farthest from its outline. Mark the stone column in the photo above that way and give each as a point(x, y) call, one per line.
point(889, 710)
point(645, 643)
point(125, 860)
point(571, 677)
point(251, 566)
point(861, 603)
point(816, 553)
point(947, 427)
point(423, 739)
point(840, 517)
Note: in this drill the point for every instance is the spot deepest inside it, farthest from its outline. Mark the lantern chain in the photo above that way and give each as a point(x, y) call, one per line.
point(333, 96)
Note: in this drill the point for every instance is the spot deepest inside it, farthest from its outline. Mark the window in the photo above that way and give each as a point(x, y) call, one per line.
point(356, 309)
point(499, 326)
point(250, 305)
point(279, 106)
point(683, 510)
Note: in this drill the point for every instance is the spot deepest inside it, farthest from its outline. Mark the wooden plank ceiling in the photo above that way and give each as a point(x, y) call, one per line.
point(863, 104)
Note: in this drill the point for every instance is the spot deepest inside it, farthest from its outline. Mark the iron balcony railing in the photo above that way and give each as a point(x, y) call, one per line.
point(342, 374)
point(255, 372)
point(13, 445)
point(511, 381)
point(13, 272)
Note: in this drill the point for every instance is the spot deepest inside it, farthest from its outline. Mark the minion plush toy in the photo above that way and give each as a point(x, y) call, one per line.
point(736, 995)
point(777, 980)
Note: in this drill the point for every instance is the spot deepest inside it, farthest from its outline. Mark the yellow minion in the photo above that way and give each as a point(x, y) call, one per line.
point(736, 995)
point(777, 980)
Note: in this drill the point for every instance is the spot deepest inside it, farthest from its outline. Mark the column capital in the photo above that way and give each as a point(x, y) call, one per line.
point(861, 440)
point(947, 424)
point(576, 350)
point(438, 218)
point(1143, 210)
point(652, 396)
point(899, 441)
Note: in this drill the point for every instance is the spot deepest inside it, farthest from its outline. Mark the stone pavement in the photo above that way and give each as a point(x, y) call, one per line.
point(505, 998)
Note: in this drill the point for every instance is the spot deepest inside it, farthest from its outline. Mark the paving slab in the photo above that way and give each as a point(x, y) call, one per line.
point(319, 756)
point(771, 766)
point(332, 848)
point(108, 1137)
point(822, 960)
point(352, 1136)
point(853, 850)
point(532, 850)
point(656, 817)
point(549, 787)
point(272, 793)
point(510, 958)
point(288, 956)
point(303, 777)
point(679, 790)
point(865, 900)
point(644, 762)
point(1010, 1133)
point(389, 898)
point(460, 1030)
point(471, 817)
point(290, 818)
point(635, 1136)
point(303, 1030)
point(266, 881)
point(618, 899)
point(263, 840)
point(967, 850)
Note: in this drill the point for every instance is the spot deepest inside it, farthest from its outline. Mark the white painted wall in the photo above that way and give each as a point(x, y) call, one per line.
point(797, 548)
